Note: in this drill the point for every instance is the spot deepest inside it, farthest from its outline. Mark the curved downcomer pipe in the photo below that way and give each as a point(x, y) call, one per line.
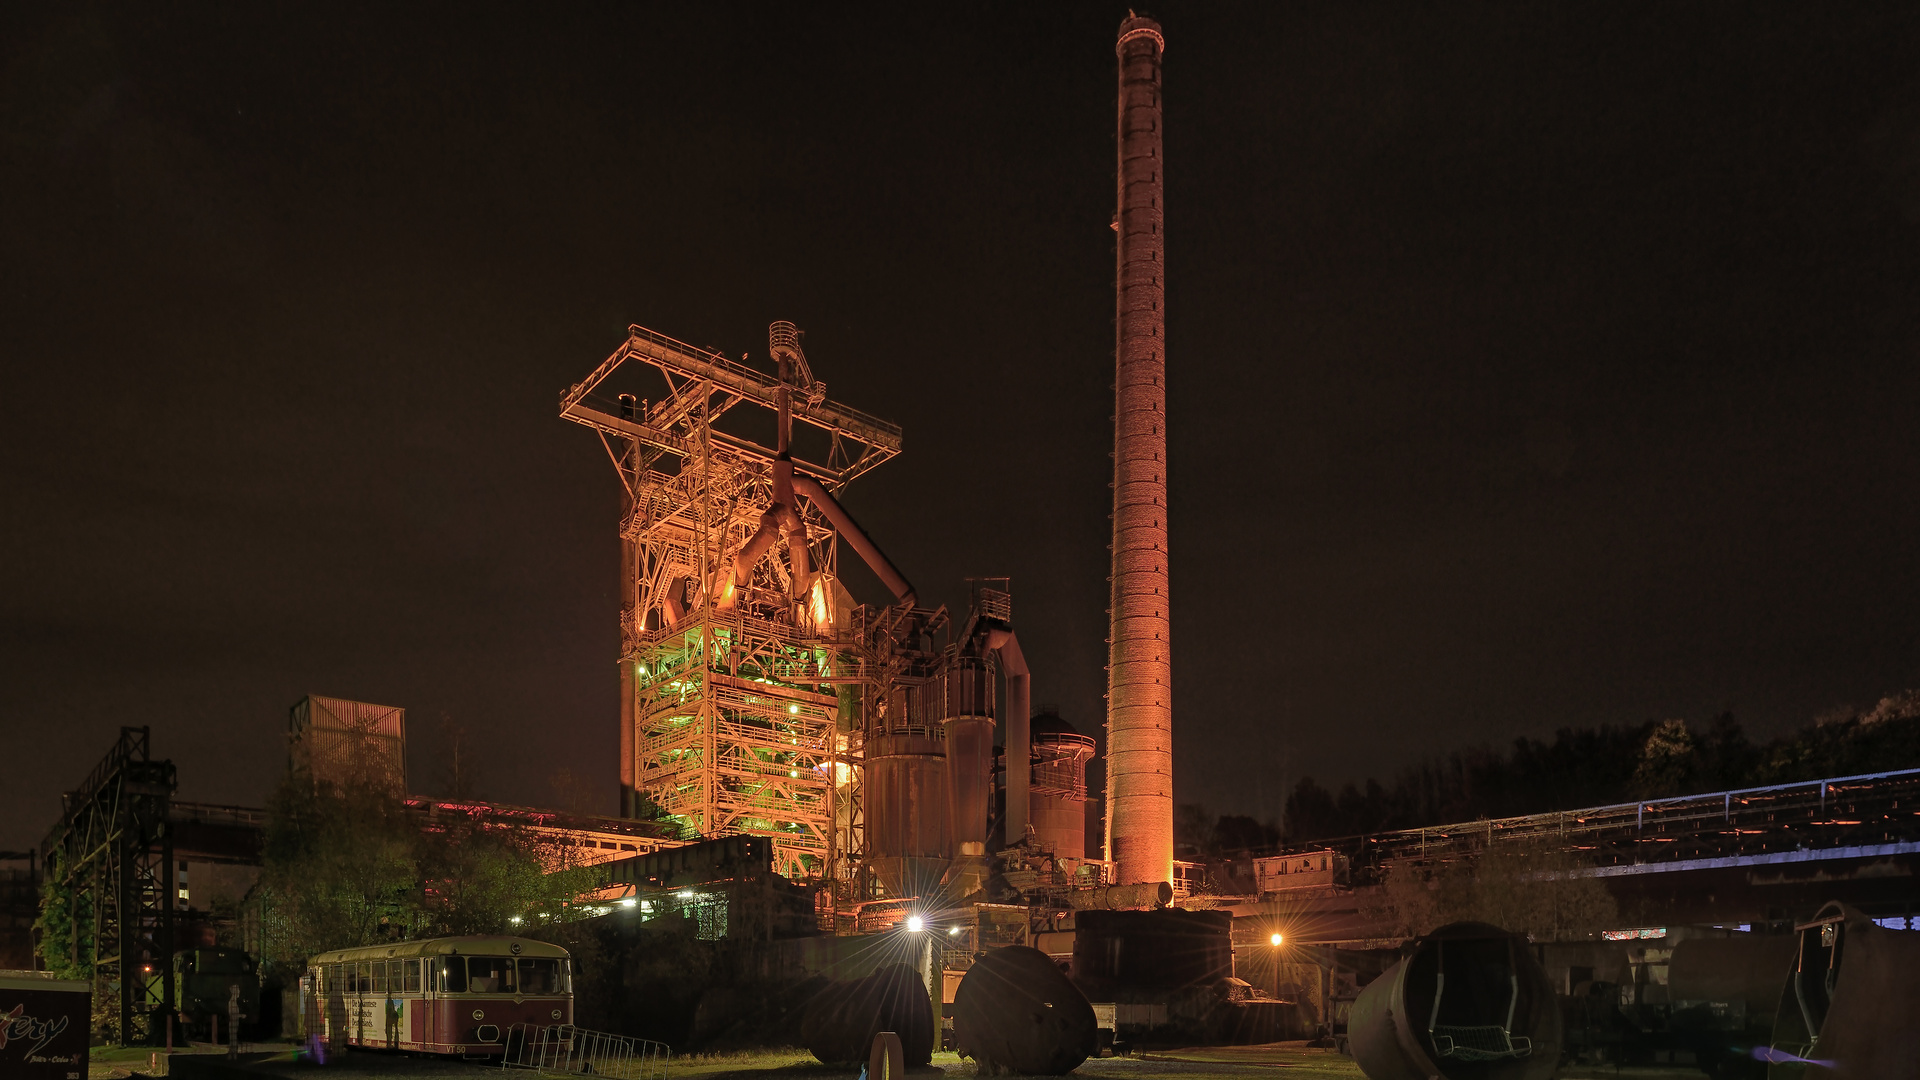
point(856, 538)
point(1139, 664)
point(1018, 733)
point(780, 517)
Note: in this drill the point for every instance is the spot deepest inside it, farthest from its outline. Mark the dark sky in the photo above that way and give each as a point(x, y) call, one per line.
point(1530, 365)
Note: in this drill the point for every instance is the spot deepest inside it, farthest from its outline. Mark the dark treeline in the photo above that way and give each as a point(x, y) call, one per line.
point(1578, 767)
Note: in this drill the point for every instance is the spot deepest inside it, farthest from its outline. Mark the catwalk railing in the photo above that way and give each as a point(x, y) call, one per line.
point(1872, 811)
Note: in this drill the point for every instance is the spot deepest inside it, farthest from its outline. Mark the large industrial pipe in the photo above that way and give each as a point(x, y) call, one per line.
point(1468, 1001)
point(1142, 896)
point(1139, 663)
point(1018, 731)
point(856, 538)
point(629, 621)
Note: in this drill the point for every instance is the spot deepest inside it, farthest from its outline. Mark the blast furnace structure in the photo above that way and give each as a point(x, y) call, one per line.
point(730, 687)
point(756, 696)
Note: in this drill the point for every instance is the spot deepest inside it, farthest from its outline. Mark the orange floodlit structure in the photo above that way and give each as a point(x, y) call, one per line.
point(1139, 664)
point(729, 677)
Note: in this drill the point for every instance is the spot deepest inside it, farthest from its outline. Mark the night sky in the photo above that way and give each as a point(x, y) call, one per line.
point(1530, 366)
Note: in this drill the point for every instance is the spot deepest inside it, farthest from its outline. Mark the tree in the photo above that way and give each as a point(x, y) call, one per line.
point(57, 926)
point(1532, 889)
point(355, 865)
point(1668, 761)
point(340, 868)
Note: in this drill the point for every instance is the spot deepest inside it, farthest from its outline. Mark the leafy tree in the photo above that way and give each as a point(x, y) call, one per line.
point(1529, 889)
point(355, 865)
point(1667, 761)
point(56, 926)
point(340, 868)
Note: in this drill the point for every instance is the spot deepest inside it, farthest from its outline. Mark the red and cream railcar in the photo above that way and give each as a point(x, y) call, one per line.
point(451, 995)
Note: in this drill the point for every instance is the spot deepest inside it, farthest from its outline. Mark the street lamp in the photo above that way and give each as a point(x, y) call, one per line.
point(1275, 939)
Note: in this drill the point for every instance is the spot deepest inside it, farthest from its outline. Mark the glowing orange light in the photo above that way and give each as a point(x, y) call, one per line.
point(1275, 939)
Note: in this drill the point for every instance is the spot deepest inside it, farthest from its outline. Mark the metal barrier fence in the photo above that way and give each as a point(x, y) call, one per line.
point(565, 1050)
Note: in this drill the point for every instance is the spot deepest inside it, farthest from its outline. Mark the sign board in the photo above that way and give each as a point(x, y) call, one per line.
point(44, 1026)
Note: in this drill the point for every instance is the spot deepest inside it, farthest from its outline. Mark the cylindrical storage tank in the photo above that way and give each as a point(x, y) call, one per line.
point(1150, 956)
point(841, 1022)
point(967, 685)
point(1850, 1001)
point(969, 781)
point(1059, 792)
point(906, 811)
point(1015, 1013)
point(1468, 1001)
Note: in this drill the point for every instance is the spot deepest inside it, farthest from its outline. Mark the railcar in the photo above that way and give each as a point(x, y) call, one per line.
point(450, 995)
point(202, 978)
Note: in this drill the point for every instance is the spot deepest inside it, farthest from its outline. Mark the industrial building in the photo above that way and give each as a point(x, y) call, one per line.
point(813, 785)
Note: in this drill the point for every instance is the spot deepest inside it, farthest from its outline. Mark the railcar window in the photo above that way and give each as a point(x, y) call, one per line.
point(540, 976)
point(490, 975)
point(410, 974)
point(453, 974)
point(365, 967)
point(379, 976)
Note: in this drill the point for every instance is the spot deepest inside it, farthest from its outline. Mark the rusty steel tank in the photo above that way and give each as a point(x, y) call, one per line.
point(967, 722)
point(1059, 801)
point(1150, 956)
point(1851, 997)
point(1469, 1000)
point(1015, 1013)
point(1722, 994)
point(906, 792)
point(841, 1022)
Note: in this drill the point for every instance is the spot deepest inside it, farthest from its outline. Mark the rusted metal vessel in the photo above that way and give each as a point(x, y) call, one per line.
point(1850, 1002)
point(1015, 1013)
point(842, 1021)
point(1469, 1000)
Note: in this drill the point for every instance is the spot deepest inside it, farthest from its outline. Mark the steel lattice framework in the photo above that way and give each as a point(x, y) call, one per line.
point(114, 850)
point(733, 648)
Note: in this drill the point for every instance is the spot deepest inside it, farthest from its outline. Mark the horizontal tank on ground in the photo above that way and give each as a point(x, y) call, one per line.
point(1468, 1000)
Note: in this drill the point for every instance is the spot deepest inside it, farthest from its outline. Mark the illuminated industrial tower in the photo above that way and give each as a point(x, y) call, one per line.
point(1139, 666)
point(730, 605)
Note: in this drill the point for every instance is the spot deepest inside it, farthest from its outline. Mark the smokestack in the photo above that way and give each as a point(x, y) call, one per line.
point(1139, 661)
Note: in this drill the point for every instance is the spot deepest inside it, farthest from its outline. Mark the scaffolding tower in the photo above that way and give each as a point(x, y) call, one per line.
point(113, 848)
point(737, 639)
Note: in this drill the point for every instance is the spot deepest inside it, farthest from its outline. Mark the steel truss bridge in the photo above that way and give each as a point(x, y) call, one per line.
point(1842, 817)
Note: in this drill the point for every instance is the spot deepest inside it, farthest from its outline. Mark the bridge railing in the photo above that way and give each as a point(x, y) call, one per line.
point(1836, 812)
